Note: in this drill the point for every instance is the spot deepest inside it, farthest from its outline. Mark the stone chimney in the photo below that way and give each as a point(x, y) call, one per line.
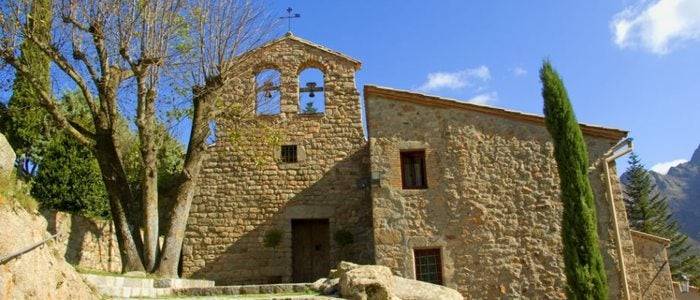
point(7, 156)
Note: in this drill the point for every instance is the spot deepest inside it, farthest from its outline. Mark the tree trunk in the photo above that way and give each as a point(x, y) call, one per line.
point(149, 201)
point(145, 120)
point(119, 198)
point(186, 182)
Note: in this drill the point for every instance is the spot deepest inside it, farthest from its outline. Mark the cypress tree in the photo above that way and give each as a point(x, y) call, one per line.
point(584, 268)
point(648, 212)
point(27, 123)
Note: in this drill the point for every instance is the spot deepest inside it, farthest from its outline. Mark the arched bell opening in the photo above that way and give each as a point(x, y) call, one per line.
point(267, 92)
point(312, 96)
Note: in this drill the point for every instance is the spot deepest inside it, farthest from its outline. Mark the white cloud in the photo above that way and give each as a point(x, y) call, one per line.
point(456, 80)
point(657, 25)
point(485, 98)
point(518, 71)
point(662, 168)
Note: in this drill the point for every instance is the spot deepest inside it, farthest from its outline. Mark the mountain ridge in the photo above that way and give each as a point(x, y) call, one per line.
point(681, 187)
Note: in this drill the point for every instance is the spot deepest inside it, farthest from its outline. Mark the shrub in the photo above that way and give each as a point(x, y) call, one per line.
point(273, 237)
point(343, 238)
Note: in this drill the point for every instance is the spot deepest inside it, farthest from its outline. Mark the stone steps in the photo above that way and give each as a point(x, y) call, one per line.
point(230, 290)
point(120, 287)
point(132, 287)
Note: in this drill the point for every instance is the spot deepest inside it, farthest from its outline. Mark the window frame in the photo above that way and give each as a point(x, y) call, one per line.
point(295, 151)
point(437, 252)
point(413, 154)
point(301, 84)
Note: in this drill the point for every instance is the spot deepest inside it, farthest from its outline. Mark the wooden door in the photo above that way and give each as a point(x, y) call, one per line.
point(310, 250)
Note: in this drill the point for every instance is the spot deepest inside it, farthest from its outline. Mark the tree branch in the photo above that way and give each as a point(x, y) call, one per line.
point(68, 19)
point(84, 131)
point(62, 62)
point(47, 101)
point(78, 54)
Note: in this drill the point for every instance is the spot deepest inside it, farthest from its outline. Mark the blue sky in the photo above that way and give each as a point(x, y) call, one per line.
point(629, 64)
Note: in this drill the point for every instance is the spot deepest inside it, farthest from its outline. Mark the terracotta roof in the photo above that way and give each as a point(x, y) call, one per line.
point(424, 99)
point(292, 37)
point(651, 237)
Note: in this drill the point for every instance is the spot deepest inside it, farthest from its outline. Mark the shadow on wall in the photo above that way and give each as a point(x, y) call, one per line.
point(235, 253)
point(85, 242)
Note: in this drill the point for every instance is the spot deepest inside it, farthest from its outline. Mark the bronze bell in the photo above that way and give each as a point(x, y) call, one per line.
point(311, 86)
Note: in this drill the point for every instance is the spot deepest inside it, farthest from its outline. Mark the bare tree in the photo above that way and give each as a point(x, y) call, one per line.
point(93, 74)
point(220, 32)
point(146, 34)
point(109, 47)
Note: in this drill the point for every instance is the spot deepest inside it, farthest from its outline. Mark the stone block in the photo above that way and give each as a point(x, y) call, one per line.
point(267, 289)
point(283, 288)
point(367, 282)
point(181, 283)
point(300, 288)
point(249, 289)
point(231, 290)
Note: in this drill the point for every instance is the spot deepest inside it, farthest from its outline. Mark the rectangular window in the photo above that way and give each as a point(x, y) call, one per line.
point(413, 170)
point(428, 265)
point(289, 153)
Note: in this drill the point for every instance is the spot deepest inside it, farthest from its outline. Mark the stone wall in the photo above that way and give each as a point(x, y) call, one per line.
point(492, 203)
point(84, 242)
point(245, 191)
point(652, 268)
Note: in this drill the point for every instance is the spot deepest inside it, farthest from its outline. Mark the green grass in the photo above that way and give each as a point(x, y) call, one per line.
point(13, 190)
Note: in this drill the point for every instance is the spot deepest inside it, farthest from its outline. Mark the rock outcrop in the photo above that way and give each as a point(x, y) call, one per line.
point(408, 289)
point(41, 273)
point(369, 282)
point(7, 156)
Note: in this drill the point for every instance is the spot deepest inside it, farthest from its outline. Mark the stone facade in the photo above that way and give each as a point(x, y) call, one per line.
point(246, 191)
point(652, 268)
point(492, 203)
point(85, 242)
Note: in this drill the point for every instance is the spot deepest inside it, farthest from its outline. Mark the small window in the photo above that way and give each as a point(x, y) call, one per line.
point(289, 153)
point(413, 170)
point(428, 265)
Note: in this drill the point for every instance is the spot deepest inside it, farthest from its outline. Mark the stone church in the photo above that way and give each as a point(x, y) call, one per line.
point(439, 190)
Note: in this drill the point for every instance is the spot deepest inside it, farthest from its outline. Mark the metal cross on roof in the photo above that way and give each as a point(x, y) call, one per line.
point(289, 18)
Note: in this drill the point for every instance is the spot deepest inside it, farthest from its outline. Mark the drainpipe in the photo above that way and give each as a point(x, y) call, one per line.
point(626, 147)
